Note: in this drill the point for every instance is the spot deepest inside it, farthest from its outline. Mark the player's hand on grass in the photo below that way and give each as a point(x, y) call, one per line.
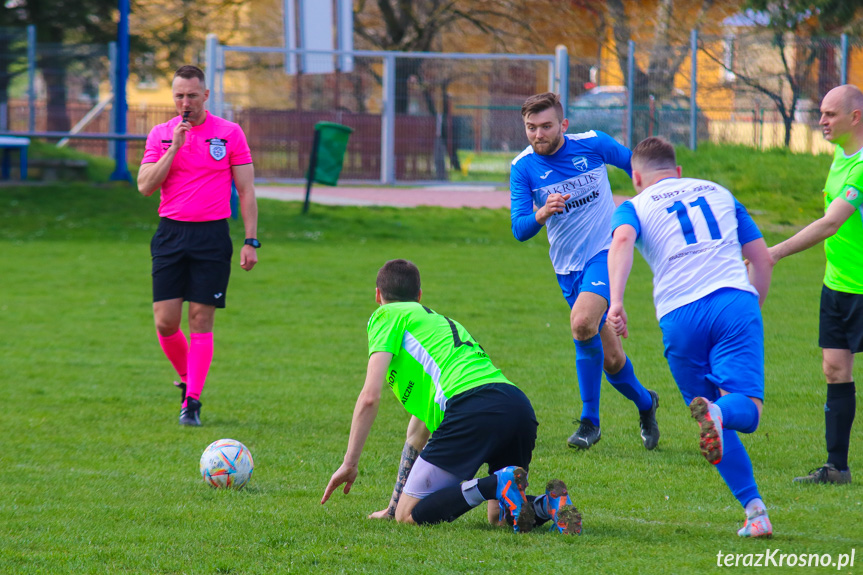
point(346, 475)
point(248, 257)
point(616, 319)
point(554, 204)
point(387, 513)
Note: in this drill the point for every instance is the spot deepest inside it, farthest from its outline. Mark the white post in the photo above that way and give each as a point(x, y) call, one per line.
point(388, 120)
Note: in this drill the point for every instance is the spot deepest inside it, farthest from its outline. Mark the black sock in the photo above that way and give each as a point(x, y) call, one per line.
point(449, 503)
point(488, 487)
point(446, 504)
point(838, 418)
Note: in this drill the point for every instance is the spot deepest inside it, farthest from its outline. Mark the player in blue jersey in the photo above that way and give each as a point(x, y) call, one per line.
point(564, 176)
point(693, 233)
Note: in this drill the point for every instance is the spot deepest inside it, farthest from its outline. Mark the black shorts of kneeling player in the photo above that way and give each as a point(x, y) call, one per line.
point(493, 424)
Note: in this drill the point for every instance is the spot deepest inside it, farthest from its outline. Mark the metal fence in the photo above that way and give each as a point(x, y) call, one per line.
point(423, 117)
point(411, 113)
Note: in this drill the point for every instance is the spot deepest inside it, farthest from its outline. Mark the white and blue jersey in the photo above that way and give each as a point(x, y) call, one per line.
point(690, 232)
point(578, 168)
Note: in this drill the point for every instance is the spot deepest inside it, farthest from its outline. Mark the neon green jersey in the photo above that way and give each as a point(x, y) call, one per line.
point(844, 249)
point(434, 358)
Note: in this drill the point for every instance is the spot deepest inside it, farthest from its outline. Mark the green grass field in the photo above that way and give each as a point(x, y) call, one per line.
point(99, 478)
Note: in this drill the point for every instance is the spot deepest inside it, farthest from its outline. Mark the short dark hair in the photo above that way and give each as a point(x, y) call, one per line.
point(399, 280)
point(188, 72)
point(541, 102)
point(654, 153)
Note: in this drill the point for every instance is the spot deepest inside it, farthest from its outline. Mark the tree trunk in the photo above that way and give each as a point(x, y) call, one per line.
point(405, 68)
point(54, 74)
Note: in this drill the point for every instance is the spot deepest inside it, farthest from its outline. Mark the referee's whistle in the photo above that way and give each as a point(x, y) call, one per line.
point(186, 115)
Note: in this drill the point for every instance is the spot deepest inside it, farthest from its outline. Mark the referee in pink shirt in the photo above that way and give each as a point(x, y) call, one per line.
point(194, 158)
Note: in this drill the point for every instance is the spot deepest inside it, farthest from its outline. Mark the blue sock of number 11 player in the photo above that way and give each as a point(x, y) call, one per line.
point(588, 364)
point(738, 413)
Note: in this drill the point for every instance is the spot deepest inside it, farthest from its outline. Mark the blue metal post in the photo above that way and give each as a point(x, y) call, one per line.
point(31, 77)
point(121, 170)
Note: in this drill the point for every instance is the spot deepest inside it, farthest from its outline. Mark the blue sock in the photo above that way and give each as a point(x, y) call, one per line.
point(588, 364)
point(738, 412)
point(626, 383)
point(736, 468)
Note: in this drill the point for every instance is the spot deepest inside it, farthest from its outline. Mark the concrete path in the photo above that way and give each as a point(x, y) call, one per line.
point(450, 196)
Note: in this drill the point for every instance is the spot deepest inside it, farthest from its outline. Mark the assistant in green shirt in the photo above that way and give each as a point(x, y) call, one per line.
point(844, 249)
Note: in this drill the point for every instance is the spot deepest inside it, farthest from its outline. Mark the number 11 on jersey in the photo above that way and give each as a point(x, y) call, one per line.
point(686, 223)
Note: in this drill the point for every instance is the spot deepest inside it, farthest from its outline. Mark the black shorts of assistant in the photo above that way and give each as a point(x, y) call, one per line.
point(841, 322)
point(192, 261)
point(493, 424)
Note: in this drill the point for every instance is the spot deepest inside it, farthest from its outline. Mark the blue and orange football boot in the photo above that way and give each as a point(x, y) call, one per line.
point(514, 506)
point(556, 501)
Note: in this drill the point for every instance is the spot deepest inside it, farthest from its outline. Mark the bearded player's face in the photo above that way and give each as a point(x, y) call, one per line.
point(544, 131)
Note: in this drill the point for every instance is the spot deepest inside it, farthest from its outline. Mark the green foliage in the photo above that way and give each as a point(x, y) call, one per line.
point(99, 478)
point(99, 168)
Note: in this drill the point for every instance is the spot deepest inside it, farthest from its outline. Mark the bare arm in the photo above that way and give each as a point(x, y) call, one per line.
point(365, 411)
point(619, 266)
point(151, 176)
point(244, 179)
point(417, 436)
point(837, 213)
point(760, 267)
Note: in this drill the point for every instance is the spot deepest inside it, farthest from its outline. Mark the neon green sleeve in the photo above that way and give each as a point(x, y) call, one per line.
point(852, 188)
point(386, 330)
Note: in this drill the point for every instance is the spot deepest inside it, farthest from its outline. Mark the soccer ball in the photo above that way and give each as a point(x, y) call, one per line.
point(226, 463)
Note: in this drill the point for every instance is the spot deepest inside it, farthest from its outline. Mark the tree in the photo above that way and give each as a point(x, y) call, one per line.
point(174, 33)
point(671, 22)
point(59, 22)
point(419, 25)
point(794, 30)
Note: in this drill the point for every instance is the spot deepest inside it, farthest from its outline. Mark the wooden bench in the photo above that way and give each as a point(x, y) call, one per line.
point(59, 169)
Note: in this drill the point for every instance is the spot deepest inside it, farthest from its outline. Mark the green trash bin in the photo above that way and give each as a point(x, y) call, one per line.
point(328, 154)
point(332, 141)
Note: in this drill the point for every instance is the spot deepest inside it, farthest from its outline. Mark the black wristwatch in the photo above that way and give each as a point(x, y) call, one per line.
point(252, 242)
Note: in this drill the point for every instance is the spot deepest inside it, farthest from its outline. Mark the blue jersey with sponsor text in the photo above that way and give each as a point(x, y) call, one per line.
point(578, 168)
point(690, 232)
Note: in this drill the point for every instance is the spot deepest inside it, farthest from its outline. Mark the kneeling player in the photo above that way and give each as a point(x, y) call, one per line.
point(473, 414)
point(692, 233)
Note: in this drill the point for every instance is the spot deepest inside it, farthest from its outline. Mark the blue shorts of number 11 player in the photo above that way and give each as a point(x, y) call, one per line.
point(693, 233)
point(561, 182)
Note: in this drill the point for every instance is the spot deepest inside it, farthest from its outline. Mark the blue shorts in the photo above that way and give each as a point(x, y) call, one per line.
point(593, 278)
point(716, 342)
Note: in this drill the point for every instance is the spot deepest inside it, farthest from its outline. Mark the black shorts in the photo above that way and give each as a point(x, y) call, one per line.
point(493, 424)
point(192, 260)
point(841, 322)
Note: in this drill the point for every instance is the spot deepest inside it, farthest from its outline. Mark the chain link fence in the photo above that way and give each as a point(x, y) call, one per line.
point(443, 110)
point(452, 117)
